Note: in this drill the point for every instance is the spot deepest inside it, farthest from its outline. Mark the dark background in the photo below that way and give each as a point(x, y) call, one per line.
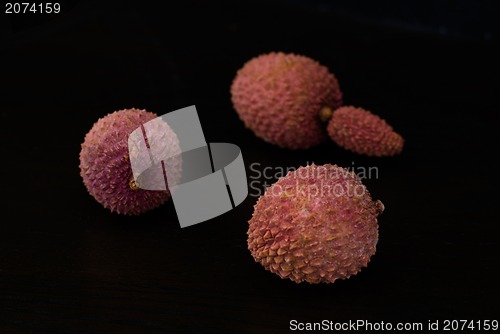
point(67, 265)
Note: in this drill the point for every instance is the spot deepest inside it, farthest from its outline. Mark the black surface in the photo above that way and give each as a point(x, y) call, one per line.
point(458, 18)
point(67, 265)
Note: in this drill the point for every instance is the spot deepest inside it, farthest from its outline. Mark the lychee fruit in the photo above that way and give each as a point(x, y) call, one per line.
point(362, 132)
point(317, 224)
point(105, 163)
point(280, 97)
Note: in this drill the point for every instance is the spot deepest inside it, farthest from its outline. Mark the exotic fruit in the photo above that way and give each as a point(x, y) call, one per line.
point(316, 224)
point(281, 98)
point(362, 132)
point(105, 162)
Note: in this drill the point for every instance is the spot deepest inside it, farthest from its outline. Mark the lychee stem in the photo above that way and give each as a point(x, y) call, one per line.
point(133, 185)
point(380, 207)
point(325, 114)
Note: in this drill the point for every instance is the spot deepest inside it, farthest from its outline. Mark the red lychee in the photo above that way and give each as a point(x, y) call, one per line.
point(362, 132)
point(105, 163)
point(280, 98)
point(316, 224)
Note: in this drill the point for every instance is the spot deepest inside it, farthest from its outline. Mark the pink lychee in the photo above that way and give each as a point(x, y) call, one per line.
point(362, 132)
point(316, 224)
point(105, 163)
point(280, 97)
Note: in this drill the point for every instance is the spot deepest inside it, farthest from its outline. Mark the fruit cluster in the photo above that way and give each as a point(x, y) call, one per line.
point(293, 101)
point(318, 223)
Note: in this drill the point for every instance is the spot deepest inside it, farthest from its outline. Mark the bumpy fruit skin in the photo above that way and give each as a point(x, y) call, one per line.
point(317, 224)
point(362, 132)
point(105, 163)
point(279, 97)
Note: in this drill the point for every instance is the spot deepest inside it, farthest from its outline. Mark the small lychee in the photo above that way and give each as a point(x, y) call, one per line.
point(280, 97)
point(317, 224)
point(362, 132)
point(105, 163)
